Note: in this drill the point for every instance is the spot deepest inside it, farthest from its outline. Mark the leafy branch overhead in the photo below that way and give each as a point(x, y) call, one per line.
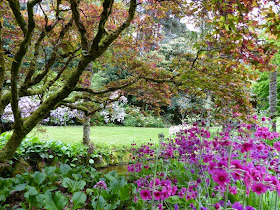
point(50, 44)
point(46, 46)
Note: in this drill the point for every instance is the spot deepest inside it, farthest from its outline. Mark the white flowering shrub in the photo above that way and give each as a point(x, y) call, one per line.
point(59, 116)
point(173, 130)
point(114, 112)
point(27, 105)
point(63, 116)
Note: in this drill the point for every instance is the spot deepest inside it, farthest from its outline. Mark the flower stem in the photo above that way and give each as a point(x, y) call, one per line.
point(229, 159)
point(161, 138)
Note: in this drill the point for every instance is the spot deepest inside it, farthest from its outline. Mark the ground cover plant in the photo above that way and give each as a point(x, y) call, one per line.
point(35, 154)
point(66, 187)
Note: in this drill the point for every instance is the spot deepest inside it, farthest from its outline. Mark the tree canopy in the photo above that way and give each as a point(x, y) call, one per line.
point(45, 47)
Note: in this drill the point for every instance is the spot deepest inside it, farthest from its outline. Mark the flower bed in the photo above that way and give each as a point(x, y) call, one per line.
point(236, 169)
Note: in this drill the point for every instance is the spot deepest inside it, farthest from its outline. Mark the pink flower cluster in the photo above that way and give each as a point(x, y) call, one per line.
point(100, 185)
point(163, 189)
point(240, 161)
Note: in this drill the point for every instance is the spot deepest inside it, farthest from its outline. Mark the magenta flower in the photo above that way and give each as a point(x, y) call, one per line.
point(246, 147)
point(233, 190)
point(157, 195)
point(259, 188)
point(145, 194)
point(277, 146)
point(221, 177)
point(237, 206)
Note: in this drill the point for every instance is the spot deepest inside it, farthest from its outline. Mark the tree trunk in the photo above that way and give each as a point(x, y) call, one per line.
point(11, 146)
point(86, 131)
point(86, 125)
point(273, 98)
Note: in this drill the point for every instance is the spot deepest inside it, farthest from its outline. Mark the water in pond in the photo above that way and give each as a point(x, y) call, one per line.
point(121, 169)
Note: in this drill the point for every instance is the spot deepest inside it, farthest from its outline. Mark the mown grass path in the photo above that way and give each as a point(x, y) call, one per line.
point(103, 135)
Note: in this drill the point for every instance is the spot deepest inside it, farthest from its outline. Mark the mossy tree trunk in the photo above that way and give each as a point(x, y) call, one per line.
point(88, 74)
point(86, 130)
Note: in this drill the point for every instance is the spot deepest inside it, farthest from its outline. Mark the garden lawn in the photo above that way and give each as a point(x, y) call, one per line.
point(102, 135)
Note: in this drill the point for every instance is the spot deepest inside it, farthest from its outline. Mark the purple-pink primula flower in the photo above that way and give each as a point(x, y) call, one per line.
point(145, 194)
point(276, 145)
point(221, 177)
point(259, 188)
point(157, 195)
point(246, 147)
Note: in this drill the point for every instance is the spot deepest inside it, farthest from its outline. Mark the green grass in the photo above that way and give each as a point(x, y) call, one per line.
point(103, 135)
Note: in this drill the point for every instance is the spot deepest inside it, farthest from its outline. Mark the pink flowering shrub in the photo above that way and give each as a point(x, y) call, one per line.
point(237, 168)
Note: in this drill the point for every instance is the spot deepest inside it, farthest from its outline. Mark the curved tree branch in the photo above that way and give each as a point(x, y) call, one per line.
point(15, 6)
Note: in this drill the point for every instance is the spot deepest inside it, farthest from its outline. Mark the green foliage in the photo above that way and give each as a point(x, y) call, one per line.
point(136, 118)
point(261, 91)
point(55, 201)
point(34, 150)
point(72, 185)
point(80, 183)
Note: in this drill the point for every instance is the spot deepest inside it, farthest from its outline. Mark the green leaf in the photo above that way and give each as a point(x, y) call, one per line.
point(117, 184)
point(40, 199)
point(100, 201)
point(79, 198)
point(73, 185)
point(174, 200)
point(64, 168)
point(50, 171)
point(19, 187)
point(124, 192)
point(39, 177)
point(114, 205)
point(55, 201)
point(31, 192)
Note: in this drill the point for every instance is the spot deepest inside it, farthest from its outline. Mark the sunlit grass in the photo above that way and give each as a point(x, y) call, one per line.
point(102, 135)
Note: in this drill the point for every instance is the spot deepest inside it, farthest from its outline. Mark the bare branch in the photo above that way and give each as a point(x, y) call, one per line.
point(107, 9)
point(107, 90)
point(17, 63)
point(33, 63)
point(36, 79)
point(14, 4)
point(48, 83)
point(101, 45)
point(79, 24)
point(2, 62)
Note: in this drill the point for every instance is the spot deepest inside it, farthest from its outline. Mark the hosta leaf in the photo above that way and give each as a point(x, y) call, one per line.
point(100, 201)
point(73, 185)
point(31, 192)
point(124, 192)
point(39, 177)
point(64, 168)
point(79, 199)
point(55, 201)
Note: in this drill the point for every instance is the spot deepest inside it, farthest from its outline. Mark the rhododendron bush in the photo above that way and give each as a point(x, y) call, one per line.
point(58, 116)
point(237, 168)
